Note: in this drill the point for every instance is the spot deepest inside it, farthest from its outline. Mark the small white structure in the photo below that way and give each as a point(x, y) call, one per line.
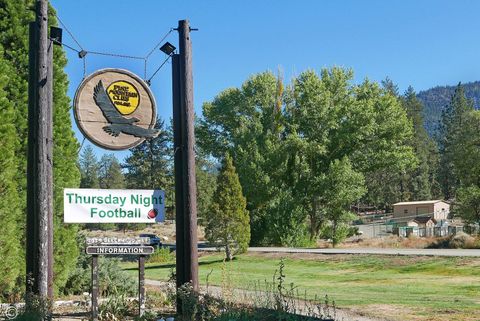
point(406, 211)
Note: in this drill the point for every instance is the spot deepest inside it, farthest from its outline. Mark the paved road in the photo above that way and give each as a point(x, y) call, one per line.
point(381, 251)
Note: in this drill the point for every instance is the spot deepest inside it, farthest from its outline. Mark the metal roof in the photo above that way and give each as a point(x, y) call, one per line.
point(420, 202)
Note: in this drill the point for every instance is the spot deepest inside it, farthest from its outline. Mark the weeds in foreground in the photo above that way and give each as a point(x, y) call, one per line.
point(267, 301)
point(36, 308)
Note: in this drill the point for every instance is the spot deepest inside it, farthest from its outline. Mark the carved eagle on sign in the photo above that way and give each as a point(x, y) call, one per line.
point(118, 123)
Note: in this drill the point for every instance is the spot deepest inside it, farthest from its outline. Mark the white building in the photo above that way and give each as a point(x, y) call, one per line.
point(406, 211)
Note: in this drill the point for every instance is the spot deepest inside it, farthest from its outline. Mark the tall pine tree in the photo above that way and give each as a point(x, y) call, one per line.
point(449, 139)
point(14, 21)
point(420, 183)
point(88, 164)
point(150, 165)
point(228, 219)
point(110, 173)
point(10, 236)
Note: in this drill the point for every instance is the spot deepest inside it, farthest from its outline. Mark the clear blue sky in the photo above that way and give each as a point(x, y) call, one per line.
point(419, 43)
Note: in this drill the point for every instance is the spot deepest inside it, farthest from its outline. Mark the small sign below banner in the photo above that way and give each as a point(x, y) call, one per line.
point(90, 241)
point(83, 205)
point(119, 250)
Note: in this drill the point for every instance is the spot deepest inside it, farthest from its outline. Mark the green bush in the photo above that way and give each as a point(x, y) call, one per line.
point(112, 279)
point(161, 255)
point(117, 307)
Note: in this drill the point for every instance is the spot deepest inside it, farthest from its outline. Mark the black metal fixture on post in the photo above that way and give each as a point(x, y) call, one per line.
point(167, 48)
point(56, 35)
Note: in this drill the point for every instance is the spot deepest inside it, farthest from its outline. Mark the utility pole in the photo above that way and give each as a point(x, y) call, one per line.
point(188, 164)
point(178, 156)
point(39, 236)
point(185, 181)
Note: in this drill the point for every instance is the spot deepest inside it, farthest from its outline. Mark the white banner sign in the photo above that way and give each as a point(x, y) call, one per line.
point(83, 205)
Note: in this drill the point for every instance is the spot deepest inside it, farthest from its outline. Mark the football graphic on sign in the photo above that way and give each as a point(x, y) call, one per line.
point(115, 109)
point(152, 213)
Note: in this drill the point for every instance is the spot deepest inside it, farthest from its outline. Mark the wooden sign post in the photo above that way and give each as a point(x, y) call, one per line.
point(184, 163)
point(94, 287)
point(141, 285)
point(125, 246)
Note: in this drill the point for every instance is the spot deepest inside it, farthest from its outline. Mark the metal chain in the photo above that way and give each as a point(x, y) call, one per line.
point(84, 66)
point(114, 55)
point(145, 59)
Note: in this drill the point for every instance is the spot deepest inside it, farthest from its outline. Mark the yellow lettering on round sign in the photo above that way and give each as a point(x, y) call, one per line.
point(124, 96)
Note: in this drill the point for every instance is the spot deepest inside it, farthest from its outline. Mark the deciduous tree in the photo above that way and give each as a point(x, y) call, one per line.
point(341, 187)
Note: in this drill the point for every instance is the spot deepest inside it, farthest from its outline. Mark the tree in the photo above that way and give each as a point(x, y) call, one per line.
point(466, 166)
point(448, 138)
point(284, 138)
point(420, 183)
point(65, 170)
point(467, 204)
point(149, 165)
point(109, 176)
point(341, 187)
point(206, 174)
point(110, 173)
point(466, 153)
point(328, 119)
point(89, 168)
point(244, 122)
point(228, 219)
point(14, 21)
point(10, 237)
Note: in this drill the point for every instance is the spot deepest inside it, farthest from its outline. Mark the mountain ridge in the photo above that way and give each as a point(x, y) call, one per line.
point(437, 98)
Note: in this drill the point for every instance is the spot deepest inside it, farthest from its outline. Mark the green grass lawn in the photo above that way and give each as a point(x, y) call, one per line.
point(407, 288)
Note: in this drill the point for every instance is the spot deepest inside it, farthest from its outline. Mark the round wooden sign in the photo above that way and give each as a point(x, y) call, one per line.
point(115, 109)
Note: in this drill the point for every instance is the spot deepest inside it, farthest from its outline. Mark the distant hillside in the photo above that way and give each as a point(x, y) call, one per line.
point(435, 100)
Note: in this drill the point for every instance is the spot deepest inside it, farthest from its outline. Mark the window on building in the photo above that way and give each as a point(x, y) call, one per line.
point(405, 211)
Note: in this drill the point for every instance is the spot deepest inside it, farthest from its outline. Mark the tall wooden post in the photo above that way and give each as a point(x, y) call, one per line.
point(49, 169)
point(188, 154)
point(178, 168)
point(184, 163)
point(95, 287)
point(141, 285)
point(39, 169)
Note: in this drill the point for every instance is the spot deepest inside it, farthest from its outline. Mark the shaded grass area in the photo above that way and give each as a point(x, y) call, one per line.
point(430, 287)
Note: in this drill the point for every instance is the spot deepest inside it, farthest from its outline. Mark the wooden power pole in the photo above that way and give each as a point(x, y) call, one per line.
point(39, 236)
point(184, 142)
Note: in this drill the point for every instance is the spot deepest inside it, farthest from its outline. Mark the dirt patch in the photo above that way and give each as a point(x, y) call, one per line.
point(166, 231)
point(390, 241)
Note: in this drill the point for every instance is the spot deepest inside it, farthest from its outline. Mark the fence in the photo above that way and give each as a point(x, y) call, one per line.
point(439, 231)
